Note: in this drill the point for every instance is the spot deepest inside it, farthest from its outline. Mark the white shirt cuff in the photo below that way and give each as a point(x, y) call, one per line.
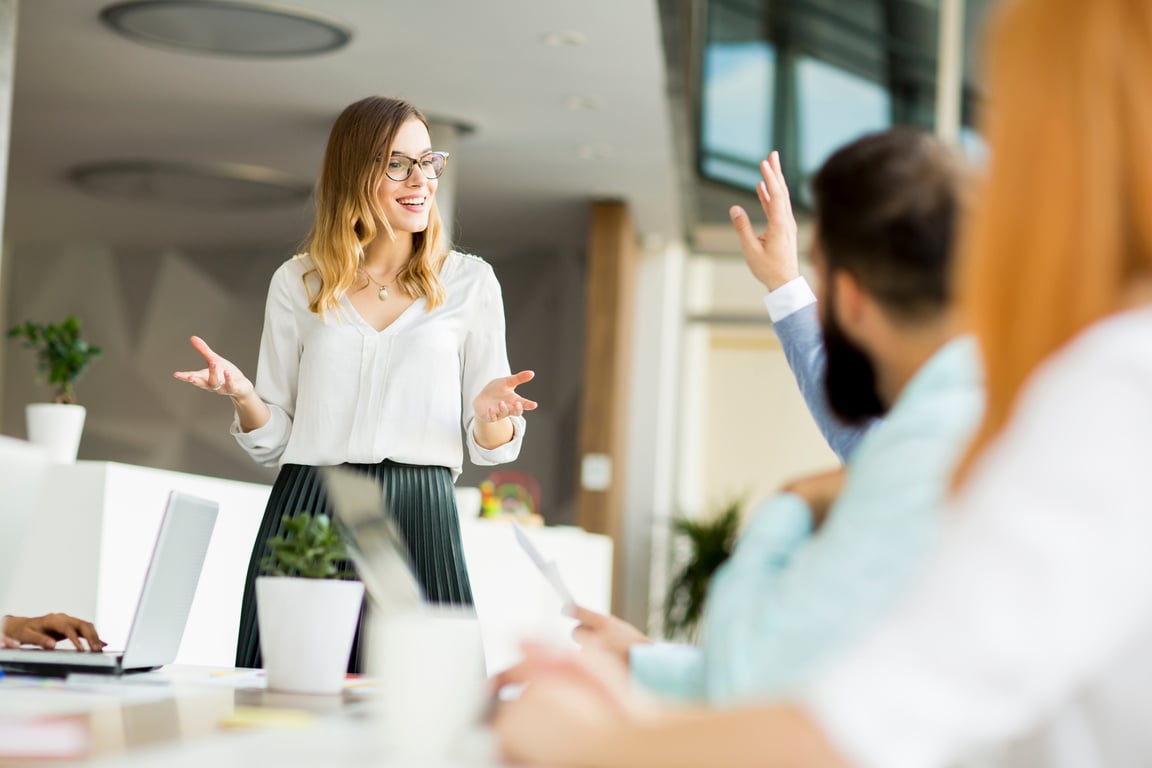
point(792, 296)
point(501, 454)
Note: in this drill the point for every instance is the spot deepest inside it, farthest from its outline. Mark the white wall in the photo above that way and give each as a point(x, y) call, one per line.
point(140, 305)
point(761, 433)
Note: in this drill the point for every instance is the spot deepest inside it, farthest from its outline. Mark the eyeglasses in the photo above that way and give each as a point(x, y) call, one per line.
point(399, 167)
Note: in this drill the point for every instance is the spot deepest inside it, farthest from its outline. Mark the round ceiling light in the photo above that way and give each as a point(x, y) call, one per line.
point(566, 38)
point(226, 28)
point(207, 185)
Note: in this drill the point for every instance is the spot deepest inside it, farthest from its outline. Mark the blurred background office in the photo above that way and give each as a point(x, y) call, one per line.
point(161, 155)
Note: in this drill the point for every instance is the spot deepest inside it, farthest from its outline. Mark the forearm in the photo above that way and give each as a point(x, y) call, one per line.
point(800, 337)
point(493, 434)
point(777, 736)
point(251, 412)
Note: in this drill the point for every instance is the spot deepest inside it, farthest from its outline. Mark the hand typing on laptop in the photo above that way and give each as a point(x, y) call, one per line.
point(45, 631)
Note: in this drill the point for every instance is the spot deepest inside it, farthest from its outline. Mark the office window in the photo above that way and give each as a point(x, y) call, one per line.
point(834, 107)
point(738, 109)
point(806, 76)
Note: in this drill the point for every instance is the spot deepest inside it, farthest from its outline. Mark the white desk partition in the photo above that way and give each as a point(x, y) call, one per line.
point(87, 550)
point(89, 547)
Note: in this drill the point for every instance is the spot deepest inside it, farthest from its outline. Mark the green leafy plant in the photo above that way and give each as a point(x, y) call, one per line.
point(709, 544)
point(311, 548)
point(61, 354)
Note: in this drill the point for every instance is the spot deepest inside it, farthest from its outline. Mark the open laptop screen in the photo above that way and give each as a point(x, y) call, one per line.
point(162, 609)
point(374, 543)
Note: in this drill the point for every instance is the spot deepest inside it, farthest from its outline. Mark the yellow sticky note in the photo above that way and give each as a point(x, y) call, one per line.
point(266, 717)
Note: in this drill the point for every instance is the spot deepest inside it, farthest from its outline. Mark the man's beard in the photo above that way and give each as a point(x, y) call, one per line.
point(849, 378)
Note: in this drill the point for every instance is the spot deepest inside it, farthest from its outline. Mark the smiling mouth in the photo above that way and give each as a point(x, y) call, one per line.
point(412, 202)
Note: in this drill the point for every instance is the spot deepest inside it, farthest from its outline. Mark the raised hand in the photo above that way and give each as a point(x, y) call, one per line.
point(499, 400)
point(220, 377)
point(772, 255)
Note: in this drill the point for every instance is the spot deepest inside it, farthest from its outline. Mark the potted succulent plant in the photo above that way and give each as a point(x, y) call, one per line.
point(307, 606)
point(709, 544)
point(62, 355)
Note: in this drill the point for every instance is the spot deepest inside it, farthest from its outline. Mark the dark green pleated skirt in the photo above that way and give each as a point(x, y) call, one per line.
point(422, 501)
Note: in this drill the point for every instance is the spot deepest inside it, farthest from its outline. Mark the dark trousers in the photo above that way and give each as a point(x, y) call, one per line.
point(422, 502)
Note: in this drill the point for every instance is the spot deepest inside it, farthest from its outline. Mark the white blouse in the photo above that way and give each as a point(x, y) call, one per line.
point(341, 391)
point(1030, 641)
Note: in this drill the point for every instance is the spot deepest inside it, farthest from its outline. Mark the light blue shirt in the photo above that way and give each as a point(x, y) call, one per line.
point(787, 600)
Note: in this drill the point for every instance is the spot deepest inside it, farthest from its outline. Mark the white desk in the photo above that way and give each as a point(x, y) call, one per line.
point(100, 521)
point(181, 716)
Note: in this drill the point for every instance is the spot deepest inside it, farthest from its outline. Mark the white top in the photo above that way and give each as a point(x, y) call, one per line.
point(1030, 641)
point(341, 391)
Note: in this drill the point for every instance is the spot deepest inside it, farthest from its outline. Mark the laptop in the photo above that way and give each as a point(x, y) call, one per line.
point(161, 612)
point(373, 542)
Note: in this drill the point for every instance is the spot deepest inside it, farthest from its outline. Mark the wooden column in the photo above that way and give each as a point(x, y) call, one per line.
point(603, 417)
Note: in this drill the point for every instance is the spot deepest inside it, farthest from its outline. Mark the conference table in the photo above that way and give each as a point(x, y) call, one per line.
point(203, 716)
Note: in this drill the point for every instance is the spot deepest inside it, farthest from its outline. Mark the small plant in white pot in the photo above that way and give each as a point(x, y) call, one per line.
point(62, 355)
point(307, 607)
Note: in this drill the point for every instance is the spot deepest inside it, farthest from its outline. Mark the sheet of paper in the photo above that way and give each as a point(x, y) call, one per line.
point(545, 566)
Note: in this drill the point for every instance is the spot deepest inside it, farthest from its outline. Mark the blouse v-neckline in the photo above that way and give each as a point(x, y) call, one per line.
point(368, 327)
point(446, 271)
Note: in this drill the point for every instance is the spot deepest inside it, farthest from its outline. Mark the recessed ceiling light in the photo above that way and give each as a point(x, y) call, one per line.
point(581, 103)
point(198, 185)
point(226, 28)
point(564, 39)
point(594, 151)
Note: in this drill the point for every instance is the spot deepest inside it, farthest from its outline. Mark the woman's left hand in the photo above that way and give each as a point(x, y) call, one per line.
point(498, 400)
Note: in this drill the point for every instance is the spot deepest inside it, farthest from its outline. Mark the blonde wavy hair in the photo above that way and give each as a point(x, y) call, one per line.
point(1062, 228)
point(348, 212)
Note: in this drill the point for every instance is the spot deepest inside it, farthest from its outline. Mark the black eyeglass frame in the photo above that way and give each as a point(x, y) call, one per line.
point(413, 162)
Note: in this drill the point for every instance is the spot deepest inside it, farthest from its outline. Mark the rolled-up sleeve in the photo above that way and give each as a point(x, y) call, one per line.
point(277, 371)
point(486, 358)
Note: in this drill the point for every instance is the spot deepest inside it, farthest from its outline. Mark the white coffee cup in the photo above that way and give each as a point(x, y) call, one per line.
point(429, 665)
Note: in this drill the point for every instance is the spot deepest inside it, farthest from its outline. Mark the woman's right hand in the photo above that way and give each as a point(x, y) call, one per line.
point(220, 377)
point(611, 634)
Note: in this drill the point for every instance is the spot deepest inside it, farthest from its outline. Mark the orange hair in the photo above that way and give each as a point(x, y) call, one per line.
point(348, 208)
point(1063, 224)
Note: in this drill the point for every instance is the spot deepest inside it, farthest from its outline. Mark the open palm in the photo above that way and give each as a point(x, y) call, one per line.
point(499, 400)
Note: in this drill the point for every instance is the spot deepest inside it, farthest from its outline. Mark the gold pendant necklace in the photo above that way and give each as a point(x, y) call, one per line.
point(381, 294)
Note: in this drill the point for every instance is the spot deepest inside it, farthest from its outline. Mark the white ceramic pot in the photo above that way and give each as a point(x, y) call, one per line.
point(57, 427)
point(306, 631)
